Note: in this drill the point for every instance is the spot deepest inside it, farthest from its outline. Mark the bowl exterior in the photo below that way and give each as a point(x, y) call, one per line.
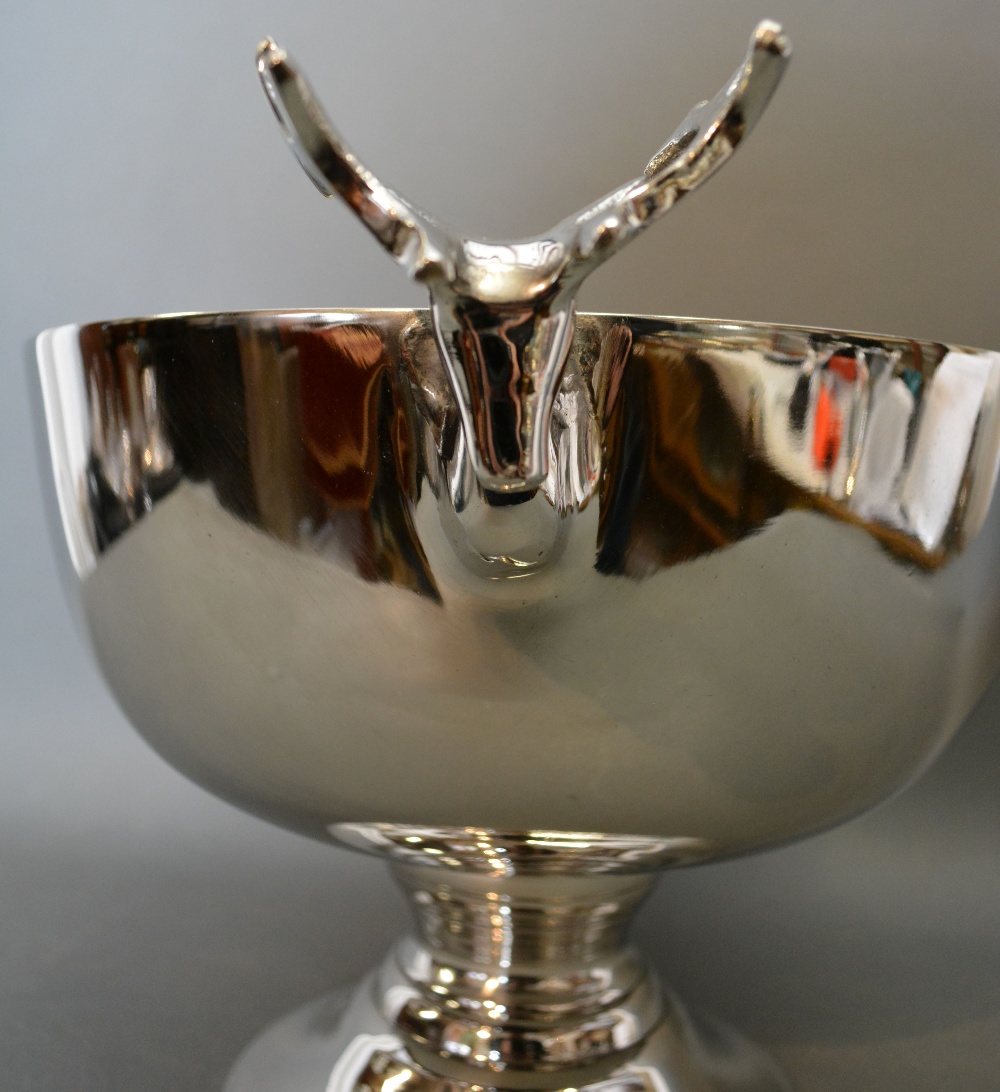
point(756, 593)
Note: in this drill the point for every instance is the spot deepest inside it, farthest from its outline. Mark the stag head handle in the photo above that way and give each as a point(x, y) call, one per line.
point(503, 312)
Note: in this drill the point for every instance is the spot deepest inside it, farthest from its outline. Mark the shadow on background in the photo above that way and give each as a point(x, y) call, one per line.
point(155, 973)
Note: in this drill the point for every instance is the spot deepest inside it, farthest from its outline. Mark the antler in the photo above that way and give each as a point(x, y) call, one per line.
point(701, 144)
point(503, 312)
point(416, 241)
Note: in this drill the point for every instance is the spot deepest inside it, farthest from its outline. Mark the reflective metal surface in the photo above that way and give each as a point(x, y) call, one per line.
point(503, 312)
point(517, 853)
point(331, 1045)
point(754, 594)
point(525, 975)
point(517, 982)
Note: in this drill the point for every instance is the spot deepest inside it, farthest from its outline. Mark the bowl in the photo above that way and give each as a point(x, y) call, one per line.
point(756, 592)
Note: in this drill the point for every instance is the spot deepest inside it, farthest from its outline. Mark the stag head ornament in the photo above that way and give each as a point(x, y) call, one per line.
point(503, 312)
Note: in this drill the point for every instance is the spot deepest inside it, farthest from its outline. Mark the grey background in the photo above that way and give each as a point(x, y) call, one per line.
point(147, 931)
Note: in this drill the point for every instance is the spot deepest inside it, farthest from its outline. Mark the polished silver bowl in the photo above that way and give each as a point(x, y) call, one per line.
point(756, 592)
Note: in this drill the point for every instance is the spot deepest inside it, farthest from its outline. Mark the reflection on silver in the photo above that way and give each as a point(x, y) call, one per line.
point(681, 1053)
point(933, 480)
point(754, 594)
point(527, 853)
point(502, 313)
point(68, 433)
point(524, 988)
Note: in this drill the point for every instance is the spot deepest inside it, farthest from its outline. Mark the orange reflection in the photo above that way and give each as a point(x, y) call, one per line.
point(828, 428)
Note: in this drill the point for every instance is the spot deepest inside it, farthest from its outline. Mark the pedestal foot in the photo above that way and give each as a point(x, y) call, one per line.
point(335, 1044)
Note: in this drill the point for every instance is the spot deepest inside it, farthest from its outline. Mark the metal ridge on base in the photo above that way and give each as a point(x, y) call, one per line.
point(506, 853)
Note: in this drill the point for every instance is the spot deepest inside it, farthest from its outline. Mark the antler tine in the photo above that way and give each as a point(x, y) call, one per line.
point(705, 140)
point(415, 240)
